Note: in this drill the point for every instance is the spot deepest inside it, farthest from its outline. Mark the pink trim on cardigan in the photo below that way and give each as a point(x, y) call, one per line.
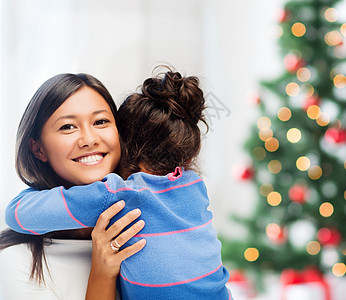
point(68, 211)
point(171, 283)
point(17, 219)
point(172, 232)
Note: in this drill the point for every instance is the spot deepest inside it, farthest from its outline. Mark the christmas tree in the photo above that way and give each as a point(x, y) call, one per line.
point(297, 147)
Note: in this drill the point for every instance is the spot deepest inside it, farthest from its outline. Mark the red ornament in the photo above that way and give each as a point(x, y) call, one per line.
point(284, 16)
point(329, 237)
point(313, 100)
point(276, 234)
point(254, 98)
point(246, 173)
point(293, 63)
point(335, 135)
point(298, 193)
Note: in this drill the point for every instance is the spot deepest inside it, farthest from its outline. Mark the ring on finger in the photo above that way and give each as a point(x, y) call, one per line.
point(115, 245)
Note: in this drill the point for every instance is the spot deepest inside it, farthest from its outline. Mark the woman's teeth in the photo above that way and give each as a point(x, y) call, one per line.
point(90, 159)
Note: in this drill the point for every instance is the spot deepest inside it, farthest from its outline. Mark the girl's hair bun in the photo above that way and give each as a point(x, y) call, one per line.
point(180, 97)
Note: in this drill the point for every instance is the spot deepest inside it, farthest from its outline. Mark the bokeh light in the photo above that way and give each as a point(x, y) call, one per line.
point(303, 163)
point(263, 123)
point(265, 134)
point(326, 209)
point(308, 90)
point(251, 254)
point(331, 14)
point(292, 89)
point(274, 166)
point(274, 198)
point(313, 247)
point(333, 38)
point(271, 144)
point(339, 81)
point(303, 74)
point(284, 114)
point(315, 172)
point(339, 269)
point(323, 119)
point(298, 29)
point(265, 189)
point(259, 153)
point(294, 135)
point(343, 29)
point(313, 112)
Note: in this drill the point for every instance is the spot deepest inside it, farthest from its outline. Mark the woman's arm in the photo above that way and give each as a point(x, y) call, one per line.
point(106, 261)
point(39, 212)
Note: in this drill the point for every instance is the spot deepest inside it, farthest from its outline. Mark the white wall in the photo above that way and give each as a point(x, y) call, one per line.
point(230, 45)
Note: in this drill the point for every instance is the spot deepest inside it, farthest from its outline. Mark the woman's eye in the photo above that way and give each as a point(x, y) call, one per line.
point(101, 122)
point(67, 127)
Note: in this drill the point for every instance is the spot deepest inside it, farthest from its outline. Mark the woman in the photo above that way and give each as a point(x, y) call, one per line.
point(73, 118)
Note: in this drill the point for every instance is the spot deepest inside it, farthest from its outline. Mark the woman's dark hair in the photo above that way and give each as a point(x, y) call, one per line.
point(158, 127)
point(31, 170)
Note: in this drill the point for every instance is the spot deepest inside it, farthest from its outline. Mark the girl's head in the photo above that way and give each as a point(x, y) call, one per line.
point(67, 134)
point(158, 126)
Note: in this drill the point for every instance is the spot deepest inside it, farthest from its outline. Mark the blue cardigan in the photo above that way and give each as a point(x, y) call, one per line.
point(181, 259)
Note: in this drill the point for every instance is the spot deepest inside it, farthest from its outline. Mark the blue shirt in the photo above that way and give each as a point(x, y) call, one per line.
point(181, 259)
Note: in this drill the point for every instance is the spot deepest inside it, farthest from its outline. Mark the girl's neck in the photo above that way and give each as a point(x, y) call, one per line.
point(73, 234)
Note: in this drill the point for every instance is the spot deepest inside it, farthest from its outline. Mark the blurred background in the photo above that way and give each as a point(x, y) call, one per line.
point(245, 53)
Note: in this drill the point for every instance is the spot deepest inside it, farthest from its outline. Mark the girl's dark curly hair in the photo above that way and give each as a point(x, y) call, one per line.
point(159, 126)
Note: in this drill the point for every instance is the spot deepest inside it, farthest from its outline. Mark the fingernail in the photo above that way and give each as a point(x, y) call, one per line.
point(137, 211)
point(120, 203)
point(140, 223)
point(142, 242)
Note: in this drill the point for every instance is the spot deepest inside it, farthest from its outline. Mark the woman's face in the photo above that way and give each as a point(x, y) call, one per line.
point(80, 140)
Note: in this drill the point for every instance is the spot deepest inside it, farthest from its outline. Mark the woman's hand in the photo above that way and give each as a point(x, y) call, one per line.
point(106, 260)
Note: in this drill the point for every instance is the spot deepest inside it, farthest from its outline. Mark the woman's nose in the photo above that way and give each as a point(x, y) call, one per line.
point(88, 138)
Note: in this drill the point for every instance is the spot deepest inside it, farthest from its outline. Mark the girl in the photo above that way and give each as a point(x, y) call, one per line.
point(48, 154)
point(160, 140)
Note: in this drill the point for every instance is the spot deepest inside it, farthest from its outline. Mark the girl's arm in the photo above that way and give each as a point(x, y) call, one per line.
point(39, 212)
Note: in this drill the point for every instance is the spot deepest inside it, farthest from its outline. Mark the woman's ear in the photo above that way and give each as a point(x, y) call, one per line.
point(36, 149)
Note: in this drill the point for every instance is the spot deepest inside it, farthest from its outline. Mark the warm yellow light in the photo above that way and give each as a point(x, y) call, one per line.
point(294, 135)
point(303, 74)
point(313, 248)
point(308, 89)
point(339, 81)
point(259, 153)
point(251, 254)
point(284, 114)
point(326, 209)
point(271, 144)
point(323, 119)
point(313, 112)
point(333, 38)
point(343, 29)
point(265, 189)
point(331, 14)
point(339, 269)
point(263, 123)
point(315, 172)
point(303, 163)
point(292, 89)
point(274, 198)
point(265, 134)
point(298, 29)
point(274, 166)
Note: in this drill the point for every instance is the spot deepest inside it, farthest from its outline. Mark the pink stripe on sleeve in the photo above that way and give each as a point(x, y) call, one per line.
point(171, 283)
point(154, 192)
point(68, 211)
point(172, 232)
point(17, 219)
